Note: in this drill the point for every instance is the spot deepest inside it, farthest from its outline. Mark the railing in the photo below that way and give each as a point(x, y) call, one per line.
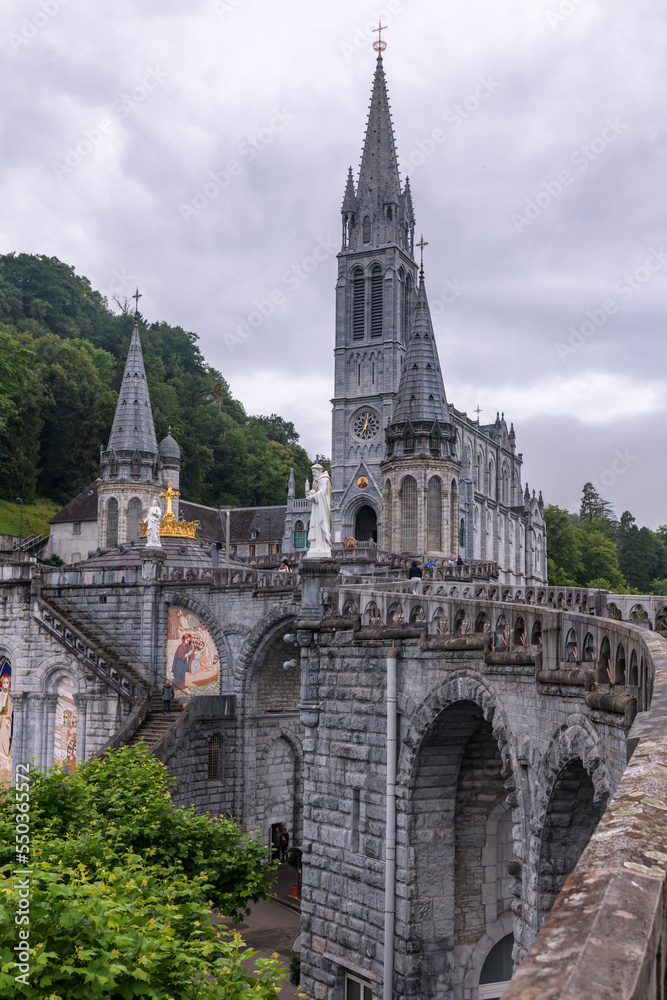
point(90, 655)
point(605, 937)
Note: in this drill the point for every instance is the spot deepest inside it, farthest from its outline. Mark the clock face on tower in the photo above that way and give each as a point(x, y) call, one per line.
point(366, 424)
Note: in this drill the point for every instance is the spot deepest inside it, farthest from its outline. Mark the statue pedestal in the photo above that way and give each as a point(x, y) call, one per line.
point(152, 563)
point(315, 575)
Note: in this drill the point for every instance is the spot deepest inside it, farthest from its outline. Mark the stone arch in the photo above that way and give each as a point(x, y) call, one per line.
point(619, 671)
point(133, 516)
point(456, 767)
point(482, 623)
point(205, 615)
point(261, 635)
point(519, 633)
point(588, 648)
point(536, 634)
point(279, 786)
point(572, 788)
point(570, 649)
point(603, 673)
point(633, 672)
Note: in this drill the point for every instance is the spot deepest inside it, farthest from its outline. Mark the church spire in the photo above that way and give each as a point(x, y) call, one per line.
point(379, 212)
point(133, 428)
point(421, 391)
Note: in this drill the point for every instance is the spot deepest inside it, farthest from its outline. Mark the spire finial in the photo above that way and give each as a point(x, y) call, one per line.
point(380, 45)
point(136, 297)
point(422, 243)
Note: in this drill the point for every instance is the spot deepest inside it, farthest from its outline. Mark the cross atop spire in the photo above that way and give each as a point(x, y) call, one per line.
point(422, 243)
point(136, 297)
point(380, 45)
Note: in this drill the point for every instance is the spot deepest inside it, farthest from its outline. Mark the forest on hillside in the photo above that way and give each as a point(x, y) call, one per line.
point(594, 549)
point(62, 355)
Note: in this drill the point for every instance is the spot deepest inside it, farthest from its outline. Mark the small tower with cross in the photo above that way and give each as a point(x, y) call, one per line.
point(134, 468)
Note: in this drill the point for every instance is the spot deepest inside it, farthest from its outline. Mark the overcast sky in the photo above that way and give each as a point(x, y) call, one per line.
point(199, 148)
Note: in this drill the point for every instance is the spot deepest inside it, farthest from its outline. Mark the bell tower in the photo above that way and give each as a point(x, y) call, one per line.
point(375, 302)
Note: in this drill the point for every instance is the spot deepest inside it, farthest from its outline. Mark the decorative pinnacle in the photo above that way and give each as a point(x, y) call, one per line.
point(422, 243)
point(136, 297)
point(380, 45)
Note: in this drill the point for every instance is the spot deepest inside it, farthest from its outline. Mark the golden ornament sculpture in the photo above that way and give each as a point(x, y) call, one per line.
point(169, 526)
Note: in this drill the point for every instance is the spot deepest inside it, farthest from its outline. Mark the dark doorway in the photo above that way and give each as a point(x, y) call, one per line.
point(366, 525)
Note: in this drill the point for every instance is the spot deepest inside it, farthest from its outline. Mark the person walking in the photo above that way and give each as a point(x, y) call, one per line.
point(284, 844)
point(415, 575)
point(275, 841)
point(167, 695)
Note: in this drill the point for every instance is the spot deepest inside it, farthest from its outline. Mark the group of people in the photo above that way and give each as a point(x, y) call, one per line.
point(279, 841)
point(415, 572)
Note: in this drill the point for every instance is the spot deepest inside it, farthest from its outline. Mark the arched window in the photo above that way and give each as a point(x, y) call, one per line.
point(409, 514)
point(434, 515)
point(358, 304)
point(133, 518)
point(214, 758)
point(387, 517)
point(299, 535)
point(620, 665)
point(376, 302)
point(633, 678)
point(491, 490)
point(112, 523)
point(497, 969)
point(367, 229)
point(453, 517)
point(407, 307)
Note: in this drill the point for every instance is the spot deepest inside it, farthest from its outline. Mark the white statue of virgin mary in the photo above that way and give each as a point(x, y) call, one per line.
point(319, 533)
point(153, 525)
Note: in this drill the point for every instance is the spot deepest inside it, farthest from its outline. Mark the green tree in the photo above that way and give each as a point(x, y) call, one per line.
point(593, 506)
point(121, 888)
point(599, 558)
point(564, 566)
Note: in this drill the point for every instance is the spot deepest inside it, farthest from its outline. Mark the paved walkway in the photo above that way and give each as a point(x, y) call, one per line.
point(274, 927)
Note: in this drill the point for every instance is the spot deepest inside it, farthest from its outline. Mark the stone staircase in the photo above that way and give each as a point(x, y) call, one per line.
point(156, 725)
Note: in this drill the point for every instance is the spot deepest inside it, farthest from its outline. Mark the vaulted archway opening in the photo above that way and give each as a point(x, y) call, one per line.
point(461, 835)
point(366, 524)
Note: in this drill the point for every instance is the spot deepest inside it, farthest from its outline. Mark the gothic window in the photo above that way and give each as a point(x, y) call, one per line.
point(133, 518)
point(462, 533)
point(112, 523)
point(434, 515)
point(376, 302)
point(358, 304)
point(135, 467)
point(299, 535)
point(491, 490)
point(387, 517)
point(409, 514)
point(453, 516)
point(214, 758)
point(407, 303)
point(367, 229)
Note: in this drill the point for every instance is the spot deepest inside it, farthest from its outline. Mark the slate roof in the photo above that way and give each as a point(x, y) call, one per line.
point(379, 162)
point(421, 391)
point(81, 508)
point(133, 428)
point(179, 551)
point(249, 519)
point(211, 519)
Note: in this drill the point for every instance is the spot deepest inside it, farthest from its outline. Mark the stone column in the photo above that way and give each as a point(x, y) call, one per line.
point(152, 573)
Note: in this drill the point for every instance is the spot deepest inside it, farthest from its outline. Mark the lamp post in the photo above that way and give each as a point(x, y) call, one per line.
point(19, 500)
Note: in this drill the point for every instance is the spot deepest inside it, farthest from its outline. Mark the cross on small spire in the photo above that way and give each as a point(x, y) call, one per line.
point(136, 297)
point(422, 243)
point(380, 45)
point(478, 411)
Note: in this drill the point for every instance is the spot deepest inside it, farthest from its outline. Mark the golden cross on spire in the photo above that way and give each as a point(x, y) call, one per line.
point(380, 45)
point(422, 243)
point(136, 297)
point(169, 495)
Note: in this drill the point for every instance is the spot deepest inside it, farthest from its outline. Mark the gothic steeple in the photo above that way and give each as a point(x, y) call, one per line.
point(379, 212)
point(133, 428)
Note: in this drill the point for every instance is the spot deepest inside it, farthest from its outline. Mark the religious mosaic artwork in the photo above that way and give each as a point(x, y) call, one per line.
point(193, 663)
point(64, 736)
point(6, 721)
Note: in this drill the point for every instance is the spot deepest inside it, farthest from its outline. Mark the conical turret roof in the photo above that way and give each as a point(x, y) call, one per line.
point(379, 162)
point(421, 390)
point(133, 428)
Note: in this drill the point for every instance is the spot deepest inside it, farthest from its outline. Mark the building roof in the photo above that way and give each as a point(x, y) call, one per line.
point(379, 162)
point(421, 390)
point(81, 508)
point(179, 552)
point(246, 521)
point(133, 428)
point(211, 519)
